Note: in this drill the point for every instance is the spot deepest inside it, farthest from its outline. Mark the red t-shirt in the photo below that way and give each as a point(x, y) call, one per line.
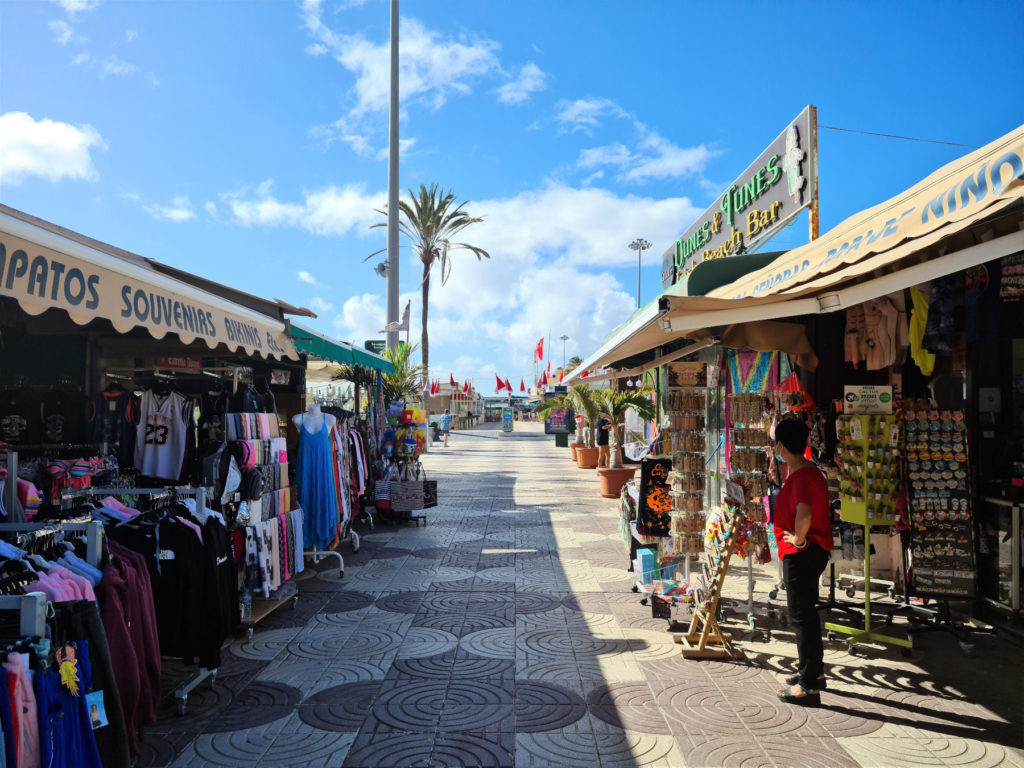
point(806, 485)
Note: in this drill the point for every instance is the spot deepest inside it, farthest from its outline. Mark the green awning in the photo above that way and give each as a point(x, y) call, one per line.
point(715, 273)
point(321, 347)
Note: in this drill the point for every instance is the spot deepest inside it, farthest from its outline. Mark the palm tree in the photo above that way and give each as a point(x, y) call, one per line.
point(401, 386)
point(430, 220)
point(613, 406)
point(574, 362)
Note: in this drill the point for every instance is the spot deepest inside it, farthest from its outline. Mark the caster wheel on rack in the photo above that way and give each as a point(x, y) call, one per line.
point(906, 653)
point(636, 588)
point(295, 603)
point(341, 574)
point(355, 542)
point(752, 622)
point(892, 593)
point(831, 636)
point(773, 594)
point(644, 601)
point(784, 620)
point(248, 634)
point(182, 706)
point(851, 592)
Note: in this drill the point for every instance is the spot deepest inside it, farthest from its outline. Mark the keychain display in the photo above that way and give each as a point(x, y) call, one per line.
point(868, 457)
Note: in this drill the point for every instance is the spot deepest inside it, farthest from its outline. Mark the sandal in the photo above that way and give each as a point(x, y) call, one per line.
point(795, 679)
point(809, 699)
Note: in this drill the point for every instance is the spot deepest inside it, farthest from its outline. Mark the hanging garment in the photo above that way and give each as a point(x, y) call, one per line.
point(161, 435)
point(938, 332)
point(111, 424)
point(315, 479)
point(918, 320)
point(66, 737)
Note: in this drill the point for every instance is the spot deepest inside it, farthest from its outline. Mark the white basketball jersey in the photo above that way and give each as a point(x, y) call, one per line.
point(161, 435)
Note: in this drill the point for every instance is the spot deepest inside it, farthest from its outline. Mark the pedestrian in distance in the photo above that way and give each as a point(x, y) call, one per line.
point(446, 425)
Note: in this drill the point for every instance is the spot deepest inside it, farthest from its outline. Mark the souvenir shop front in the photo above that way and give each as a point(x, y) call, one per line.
point(897, 337)
point(148, 499)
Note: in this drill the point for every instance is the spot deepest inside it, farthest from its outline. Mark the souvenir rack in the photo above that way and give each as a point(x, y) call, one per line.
point(705, 638)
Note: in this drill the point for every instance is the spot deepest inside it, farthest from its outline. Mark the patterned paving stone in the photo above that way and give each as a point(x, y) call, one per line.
point(260, 703)
point(534, 602)
point(265, 644)
point(507, 574)
point(629, 750)
point(342, 708)
point(446, 602)
point(411, 705)
point(390, 750)
point(728, 752)
point(324, 645)
point(424, 641)
point(401, 602)
point(589, 602)
point(159, 749)
point(498, 643)
point(344, 601)
point(310, 677)
point(457, 750)
point(241, 747)
point(544, 707)
point(429, 553)
point(451, 573)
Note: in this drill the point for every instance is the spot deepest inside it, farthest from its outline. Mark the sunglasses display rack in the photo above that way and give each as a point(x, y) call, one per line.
point(868, 454)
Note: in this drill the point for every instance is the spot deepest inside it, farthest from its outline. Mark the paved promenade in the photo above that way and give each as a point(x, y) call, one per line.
point(504, 633)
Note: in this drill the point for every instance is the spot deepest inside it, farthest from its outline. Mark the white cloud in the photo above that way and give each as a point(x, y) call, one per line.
point(584, 114)
point(46, 148)
point(531, 80)
point(404, 148)
point(62, 31)
point(654, 157)
point(329, 212)
point(178, 211)
point(74, 6)
point(316, 49)
point(361, 318)
point(211, 208)
point(131, 35)
point(319, 304)
point(132, 196)
point(112, 65)
point(306, 277)
point(81, 59)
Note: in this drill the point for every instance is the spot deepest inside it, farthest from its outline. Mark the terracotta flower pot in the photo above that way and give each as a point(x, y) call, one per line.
point(612, 480)
point(586, 458)
point(573, 447)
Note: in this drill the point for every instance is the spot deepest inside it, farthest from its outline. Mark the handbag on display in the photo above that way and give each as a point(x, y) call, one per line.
point(382, 494)
point(407, 494)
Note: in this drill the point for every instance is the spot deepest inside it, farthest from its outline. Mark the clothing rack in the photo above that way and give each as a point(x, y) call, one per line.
point(182, 691)
point(93, 534)
point(32, 609)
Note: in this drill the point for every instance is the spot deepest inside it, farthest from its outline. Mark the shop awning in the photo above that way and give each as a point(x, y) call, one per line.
point(966, 213)
point(322, 347)
point(43, 269)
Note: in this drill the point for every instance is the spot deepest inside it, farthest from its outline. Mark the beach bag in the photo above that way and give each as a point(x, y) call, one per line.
point(407, 494)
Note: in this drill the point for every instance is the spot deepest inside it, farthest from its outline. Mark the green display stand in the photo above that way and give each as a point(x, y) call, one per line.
point(561, 440)
point(868, 462)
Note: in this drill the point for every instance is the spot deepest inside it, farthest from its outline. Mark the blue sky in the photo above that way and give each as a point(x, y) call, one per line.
point(246, 141)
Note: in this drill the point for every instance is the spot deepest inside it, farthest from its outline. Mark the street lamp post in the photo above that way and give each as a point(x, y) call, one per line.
point(639, 245)
point(564, 339)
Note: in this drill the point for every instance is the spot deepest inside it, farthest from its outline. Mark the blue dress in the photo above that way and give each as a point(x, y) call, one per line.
point(315, 475)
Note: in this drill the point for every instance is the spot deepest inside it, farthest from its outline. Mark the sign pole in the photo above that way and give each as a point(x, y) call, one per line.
point(392, 261)
point(812, 219)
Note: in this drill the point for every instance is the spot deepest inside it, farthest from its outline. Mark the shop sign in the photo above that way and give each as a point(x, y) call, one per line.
point(867, 399)
point(1011, 284)
point(507, 419)
point(557, 423)
point(765, 198)
point(189, 364)
point(687, 374)
point(40, 278)
point(377, 346)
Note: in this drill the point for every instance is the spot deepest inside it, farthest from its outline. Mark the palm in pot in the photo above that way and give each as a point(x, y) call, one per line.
point(614, 406)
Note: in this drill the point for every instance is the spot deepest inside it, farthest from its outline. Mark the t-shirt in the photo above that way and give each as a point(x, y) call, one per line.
point(446, 422)
point(806, 485)
point(602, 433)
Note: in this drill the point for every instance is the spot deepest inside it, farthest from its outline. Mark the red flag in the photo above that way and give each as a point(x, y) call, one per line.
point(584, 374)
point(451, 380)
point(549, 367)
point(499, 384)
point(561, 375)
point(538, 353)
point(508, 386)
point(522, 386)
point(465, 387)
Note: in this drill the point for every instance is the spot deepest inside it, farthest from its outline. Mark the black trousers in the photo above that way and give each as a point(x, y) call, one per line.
point(801, 572)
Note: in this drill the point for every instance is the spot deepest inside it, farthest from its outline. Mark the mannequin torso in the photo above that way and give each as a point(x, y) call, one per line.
point(313, 420)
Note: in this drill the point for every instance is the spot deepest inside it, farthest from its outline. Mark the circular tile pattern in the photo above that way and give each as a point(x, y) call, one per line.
point(545, 707)
point(265, 645)
point(456, 750)
point(562, 644)
point(401, 602)
point(425, 641)
point(507, 573)
point(448, 622)
point(496, 643)
point(412, 706)
point(399, 749)
point(560, 748)
point(451, 573)
point(430, 553)
point(342, 708)
point(476, 622)
point(445, 602)
point(343, 601)
point(372, 641)
point(535, 602)
point(260, 703)
point(589, 602)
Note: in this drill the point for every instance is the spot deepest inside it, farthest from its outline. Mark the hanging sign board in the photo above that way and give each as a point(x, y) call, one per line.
point(189, 364)
point(779, 184)
point(507, 418)
point(867, 399)
point(687, 374)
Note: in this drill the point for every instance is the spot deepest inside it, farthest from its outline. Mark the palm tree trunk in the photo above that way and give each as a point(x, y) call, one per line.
point(614, 452)
point(424, 342)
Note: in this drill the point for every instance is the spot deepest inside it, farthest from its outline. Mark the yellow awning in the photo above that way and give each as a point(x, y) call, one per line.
point(41, 270)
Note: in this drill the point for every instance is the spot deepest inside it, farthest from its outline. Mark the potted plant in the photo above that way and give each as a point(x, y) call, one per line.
point(586, 457)
point(572, 403)
point(613, 406)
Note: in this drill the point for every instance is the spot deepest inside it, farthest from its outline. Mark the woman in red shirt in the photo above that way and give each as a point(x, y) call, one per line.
point(803, 529)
